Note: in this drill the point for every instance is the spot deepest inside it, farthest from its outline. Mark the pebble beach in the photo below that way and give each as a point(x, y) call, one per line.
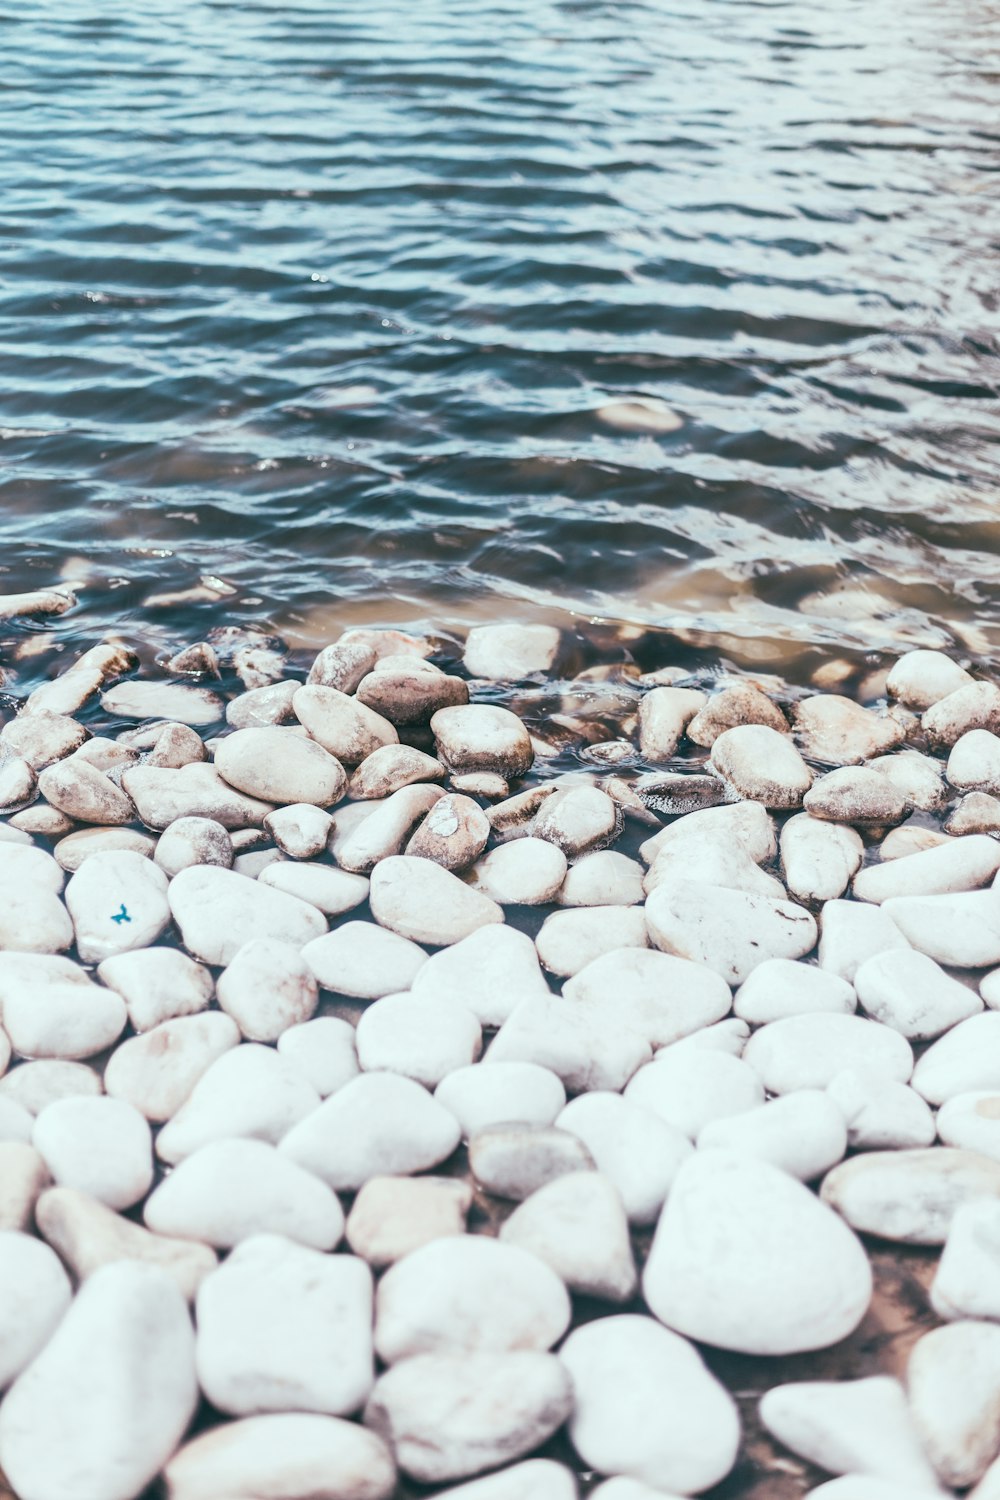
point(482, 1067)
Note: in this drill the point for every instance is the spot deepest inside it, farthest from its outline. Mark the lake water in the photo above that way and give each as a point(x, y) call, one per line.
point(328, 314)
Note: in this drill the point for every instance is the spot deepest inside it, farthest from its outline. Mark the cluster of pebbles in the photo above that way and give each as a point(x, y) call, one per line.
point(387, 1109)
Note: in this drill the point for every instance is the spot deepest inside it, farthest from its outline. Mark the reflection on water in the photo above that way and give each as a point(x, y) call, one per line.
point(681, 313)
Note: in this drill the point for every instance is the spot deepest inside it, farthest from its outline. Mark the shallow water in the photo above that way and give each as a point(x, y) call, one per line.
point(318, 311)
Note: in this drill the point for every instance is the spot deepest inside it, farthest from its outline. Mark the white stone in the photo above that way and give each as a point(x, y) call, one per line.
point(378, 1123)
point(163, 794)
point(818, 859)
point(577, 1225)
point(218, 911)
point(507, 653)
point(393, 1216)
point(425, 903)
point(953, 1382)
point(281, 766)
point(391, 767)
point(569, 940)
point(488, 973)
point(967, 1284)
point(33, 1085)
point(881, 1114)
point(747, 1258)
point(744, 823)
point(155, 1072)
point(267, 987)
point(118, 902)
point(577, 819)
point(100, 1146)
point(976, 705)
point(88, 1235)
point(23, 1176)
point(909, 1195)
point(605, 878)
point(632, 1146)
point(382, 828)
point(911, 838)
point(34, 1295)
point(323, 1051)
point(782, 987)
point(16, 1123)
point(729, 1036)
point(510, 1405)
point(513, 1092)
point(741, 703)
point(645, 1406)
point(250, 1090)
point(235, 1188)
point(664, 714)
point(689, 1088)
point(453, 834)
point(917, 777)
point(974, 762)
point(715, 860)
point(730, 931)
point(536, 1479)
point(850, 932)
point(163, 700)
point(64, 1021)
point(300, 830)
point(762, 765)
point(42, 738)
point(963, 864)
point(965, 1059)
point(283, 1456)
point(105, 1404)
point(514, 1160)
point(662, 997)
point(525, 872)
point(849, 1427)
point(271, 704)
point(972, 1121)
point(482, 737)
point(804, 1134)
point(157, 984)
point(962, 931)
point(922, 678)
point(840, 732)
point(909, 992)
point(468, 1294)
point(282, 1327)
point(364, 960)
point(586, 1045)
point(409, 692)
point(193, 841)
point(421, 1038)
point(83, 793)
point(807, 1051)
point(343, 726)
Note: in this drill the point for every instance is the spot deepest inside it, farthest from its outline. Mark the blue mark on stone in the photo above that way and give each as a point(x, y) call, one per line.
point(121, 916)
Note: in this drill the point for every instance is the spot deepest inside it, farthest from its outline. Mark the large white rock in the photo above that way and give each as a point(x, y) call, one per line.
point(917, 777)
point(513, 1161)
point(953, 1382)
point(910, 1196)
point(745, 823)
point(331, 891)
point(747, 1258)
point(421, 1038)
point(364, 960)
point(967, 1284)
point(716, 860)
point(192, 841)
point(378, 1123)
point(577, 1225)
point(468, 1294)
point(689, 1088)
point(856, 795)
point(163, 794)
point(35, 1084)
point(453, 834)
point(762, 765)
point(739, 703)
point(157, 984)
point(282, 1327)
point(963, 864)
point(163, 700)
point(155, 1072)
point(391, 767)
point(604, 878)
point(84, 793)
point(488, 972)
point(781, 987)
point(422, 901)
point(34, 1295)
point(64, 1021)
point(974, 762)
point(662, 997)
point(645, 1406)
point(219, 910)
point(850, 932)
point(513, 1092)
point(911, 993)
point(850, 1427)
point(803, 1134)
point(248, 1091)
point(510, 1405)
point(577, 819)
point(267, 987)
point(525, 872)
point(323, 1051)
point(806, 1052)
point(840, 732)
point(972, 1121)
point(118, 902)
point(569, 940)
point(281, 766)
point(664, 714)
point(634, 1147)
point(506, 653)
point(962, 930)
point(976, 705)
point(347, 729)
point(922, 678)
point(881, 1114)
point(100, 1146)
point(283, 1456)
point(586, 1045)
point(232, 1189)
point(299, 830)
point(965, 1059)
point(730, 931)
point(381, 829)
point(818, 859)
point(393, 1216)
point(482, 737)
point(105, 1404)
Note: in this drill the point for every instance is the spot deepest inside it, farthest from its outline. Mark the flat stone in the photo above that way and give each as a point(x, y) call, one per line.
point(218, 911)
point(72, 688)
point(99, 1146)
point(909, 992)
point(508, 653)
point(662, 997)
point(804, 1134)
point(762, 765)
point(281, 766)
point(163, 700)
point(807, 1051)
point(953, 1383)
point(746, 1258)
point(64, 1021)
point(249, 1090)
point(974, 762)
point(72, 850)
point(605, 878)
point(35, 1293)
point(364, 960)
point(378, 1123)
point(323, 1051)
point(745, 823)
point(714, 861)
point(840, 732)
point(88, 1235)
point(231, 1189)
point(157, 984)
point(781, 987)
point(40, 819)
point(510, 1404)
point(634, 1147)
point(194, 841)
point(485, 784)
point(672, 793)
point(818, 859)
point(578, 819)
point(410, 693)
point(974, 706)
point(85, 794)
point(962, 864)
point(646, 1407)
point(689, 1088)
point(267, 987)
point(282, 1327)
point(271, 704)
point(482, 737)
point(156, 1071)
point(391, 767)
point(585, 1045)
point(331, 891)
point(421, 1038)
point(32, 1085)
point(487, 973)
point(730, 931)
point(960, 930)
point(922, 678)
point(911, 838)
point(515, 1160)
point(664, 714)
point(392, 1216)
point(967, 1284)
point(850, 1427)
point(285, 1456)
point(343, 726)
point(162, 795)
point(852, 932)
point(43, 738)
point(577, 1225)
point(423, 902)
point(571, 939)
point(118, 902)
point(505, 1093)
point(909, 1195)
point(858, 795)
point(106, 1402)
point(880, 1113)
point(965, 1059)
point(385, 828)
point(526, 872)
point(977, 812)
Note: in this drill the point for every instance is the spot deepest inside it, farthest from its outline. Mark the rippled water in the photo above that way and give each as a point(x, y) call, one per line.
point(326, 304)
